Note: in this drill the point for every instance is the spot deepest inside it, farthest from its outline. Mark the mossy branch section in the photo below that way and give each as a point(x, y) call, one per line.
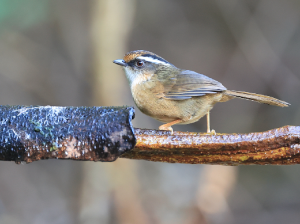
point(279, 146)
point(30, 133)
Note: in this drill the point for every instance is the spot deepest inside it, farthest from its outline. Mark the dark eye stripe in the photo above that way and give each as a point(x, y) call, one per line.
point(133, 63)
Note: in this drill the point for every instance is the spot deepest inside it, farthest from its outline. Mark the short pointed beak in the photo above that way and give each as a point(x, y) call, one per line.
point(120, 62)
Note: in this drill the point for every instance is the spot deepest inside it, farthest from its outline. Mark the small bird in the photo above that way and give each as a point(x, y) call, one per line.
point(177, 96)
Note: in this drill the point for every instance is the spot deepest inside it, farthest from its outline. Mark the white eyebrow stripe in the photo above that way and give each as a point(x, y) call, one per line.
point(156, 61)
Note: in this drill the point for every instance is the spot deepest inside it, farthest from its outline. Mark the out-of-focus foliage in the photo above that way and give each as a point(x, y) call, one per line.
point(19, 14)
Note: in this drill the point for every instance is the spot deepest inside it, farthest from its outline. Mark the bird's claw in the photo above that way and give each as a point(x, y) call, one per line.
point(166, 128)
point(212, 132)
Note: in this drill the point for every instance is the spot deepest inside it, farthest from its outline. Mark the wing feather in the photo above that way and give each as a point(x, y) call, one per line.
point(189, 84)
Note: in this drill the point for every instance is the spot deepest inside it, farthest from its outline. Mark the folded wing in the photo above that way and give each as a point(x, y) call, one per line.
point(189, 84)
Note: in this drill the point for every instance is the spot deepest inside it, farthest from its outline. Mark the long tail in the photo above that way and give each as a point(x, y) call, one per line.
point(255, 97)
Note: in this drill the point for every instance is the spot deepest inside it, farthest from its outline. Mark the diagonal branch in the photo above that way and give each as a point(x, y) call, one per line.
point(278, 146)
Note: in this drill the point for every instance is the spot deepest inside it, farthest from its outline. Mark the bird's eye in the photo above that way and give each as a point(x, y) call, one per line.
point(139, 63)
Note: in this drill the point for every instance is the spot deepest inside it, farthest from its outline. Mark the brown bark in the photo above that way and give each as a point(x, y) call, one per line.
point(278, 146)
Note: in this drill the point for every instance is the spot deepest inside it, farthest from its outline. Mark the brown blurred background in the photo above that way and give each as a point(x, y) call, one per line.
point(60, 52)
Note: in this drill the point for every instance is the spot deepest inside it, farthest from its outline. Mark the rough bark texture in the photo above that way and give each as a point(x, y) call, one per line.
point(278, 146)
point(30, 133)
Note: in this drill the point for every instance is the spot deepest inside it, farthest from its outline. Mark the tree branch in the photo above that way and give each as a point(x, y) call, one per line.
point(30, 133)
point(278, 146)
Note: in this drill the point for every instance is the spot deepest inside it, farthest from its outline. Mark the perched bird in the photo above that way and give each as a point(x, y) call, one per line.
point(176, 96)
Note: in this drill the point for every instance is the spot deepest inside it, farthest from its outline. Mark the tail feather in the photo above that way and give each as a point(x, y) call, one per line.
point(256, 97)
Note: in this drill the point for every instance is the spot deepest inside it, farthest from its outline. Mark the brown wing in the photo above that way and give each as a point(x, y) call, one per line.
point(188, 84)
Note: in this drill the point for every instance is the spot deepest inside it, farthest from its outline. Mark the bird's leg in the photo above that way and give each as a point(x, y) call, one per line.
point(213, 132)
point(167, 127)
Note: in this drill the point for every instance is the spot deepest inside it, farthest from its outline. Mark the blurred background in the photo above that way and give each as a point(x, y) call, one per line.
point(60, 52)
